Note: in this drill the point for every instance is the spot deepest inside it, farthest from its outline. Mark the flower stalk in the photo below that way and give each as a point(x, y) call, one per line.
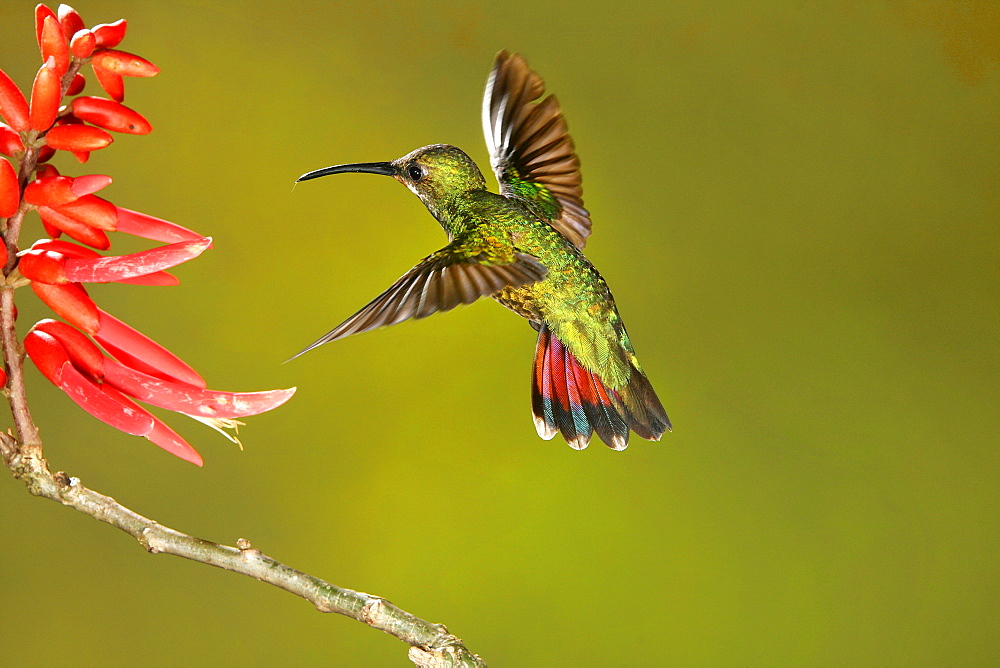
point(104, 375)
point(100, 363)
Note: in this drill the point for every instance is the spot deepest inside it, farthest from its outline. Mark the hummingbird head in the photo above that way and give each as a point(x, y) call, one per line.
point(437, 174)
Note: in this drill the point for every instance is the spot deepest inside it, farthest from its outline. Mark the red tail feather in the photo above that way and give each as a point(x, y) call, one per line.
point(569, 398)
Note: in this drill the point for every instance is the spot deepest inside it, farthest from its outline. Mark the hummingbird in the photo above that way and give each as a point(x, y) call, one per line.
point(522, 247)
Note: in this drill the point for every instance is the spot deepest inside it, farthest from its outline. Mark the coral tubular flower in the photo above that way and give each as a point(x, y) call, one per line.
point(149, 227)
point(74, 252)
point(85, 216)
point(122, 267)
point(146, 354)
point(54, 344)
point(72, 303)
point(103, 402)
point(177, 397)
point(50, 266)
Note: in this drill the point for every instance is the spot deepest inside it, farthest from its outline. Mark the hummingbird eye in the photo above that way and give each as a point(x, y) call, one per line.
point(414, 171)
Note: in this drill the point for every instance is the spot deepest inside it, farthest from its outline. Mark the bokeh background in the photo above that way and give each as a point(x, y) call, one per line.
point(796, 205)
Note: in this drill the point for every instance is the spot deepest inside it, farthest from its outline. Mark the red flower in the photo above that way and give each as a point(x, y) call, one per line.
point(105, 374)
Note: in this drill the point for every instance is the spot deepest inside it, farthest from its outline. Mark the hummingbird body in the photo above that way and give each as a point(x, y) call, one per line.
point(522, 247)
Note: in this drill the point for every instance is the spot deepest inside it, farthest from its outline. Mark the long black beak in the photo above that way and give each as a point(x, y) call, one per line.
point(384, 168)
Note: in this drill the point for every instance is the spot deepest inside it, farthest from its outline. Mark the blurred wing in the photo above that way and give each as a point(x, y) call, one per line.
point(440, 282)
point(530, 148)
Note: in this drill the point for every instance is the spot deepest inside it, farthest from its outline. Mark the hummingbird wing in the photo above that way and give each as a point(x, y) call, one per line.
point(440, 282)
point(531, 151)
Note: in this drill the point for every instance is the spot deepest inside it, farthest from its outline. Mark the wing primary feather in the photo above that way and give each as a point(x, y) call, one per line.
point(529, 142)
point(438, 283)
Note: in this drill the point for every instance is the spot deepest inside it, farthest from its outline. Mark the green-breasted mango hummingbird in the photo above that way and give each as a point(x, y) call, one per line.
point(522, 247)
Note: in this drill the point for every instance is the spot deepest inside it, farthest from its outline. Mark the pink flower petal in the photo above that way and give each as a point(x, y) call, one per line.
point(90, 184)
point(192, 400)
point(121, 267)
point(157, 278)
point(150, 227)
point(45, 351)
point(115, 335)
point(160, 434)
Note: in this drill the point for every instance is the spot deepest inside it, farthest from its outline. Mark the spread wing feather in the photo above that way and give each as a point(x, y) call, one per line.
point(440, 282)
point(530, 148)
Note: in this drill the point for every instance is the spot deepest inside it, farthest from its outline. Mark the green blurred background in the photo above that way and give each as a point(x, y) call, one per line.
point(797, 207)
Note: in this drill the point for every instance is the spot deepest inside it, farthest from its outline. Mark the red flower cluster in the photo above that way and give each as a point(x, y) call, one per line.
point(131, 366)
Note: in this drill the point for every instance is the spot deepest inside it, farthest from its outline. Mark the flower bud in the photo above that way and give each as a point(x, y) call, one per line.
point(71, 303)
point(53, 45)
point(70, 20)
point(109, 35)
point(10, 141)
point(50, 191)
point(45, 154)
point(43, 266)
point(10, 191)
point(41, 13)
point(75, 137)
point(77, 85)
point(112, 83)
point(123, 63)
point(80, 231)
point(45, 96)
point(83, 43)
point(13, 106)
point(110, 115)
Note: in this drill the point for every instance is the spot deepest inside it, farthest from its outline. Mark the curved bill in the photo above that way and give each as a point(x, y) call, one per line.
point(384, 168)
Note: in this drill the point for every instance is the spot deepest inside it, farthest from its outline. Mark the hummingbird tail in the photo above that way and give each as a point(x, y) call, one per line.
point(567, 397)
